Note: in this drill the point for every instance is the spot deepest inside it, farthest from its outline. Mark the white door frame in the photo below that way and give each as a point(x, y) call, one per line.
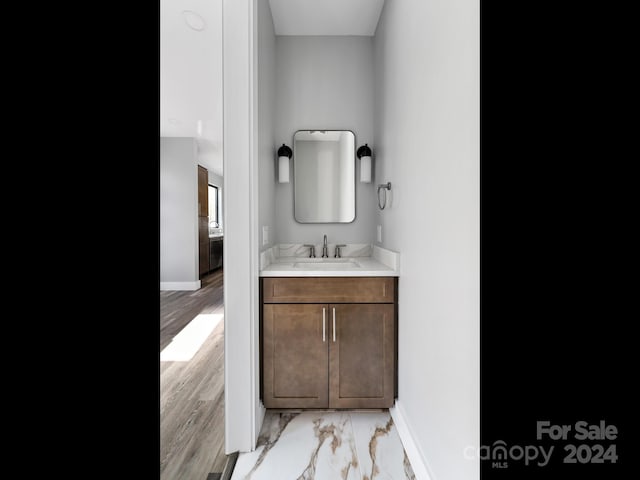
point(244, 412)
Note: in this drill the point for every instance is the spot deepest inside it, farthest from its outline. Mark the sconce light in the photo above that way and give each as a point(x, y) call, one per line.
point(364, 154)
point(284, 154)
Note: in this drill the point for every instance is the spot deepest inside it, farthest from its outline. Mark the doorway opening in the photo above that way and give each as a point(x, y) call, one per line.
point(192, 380)
point(192, 362)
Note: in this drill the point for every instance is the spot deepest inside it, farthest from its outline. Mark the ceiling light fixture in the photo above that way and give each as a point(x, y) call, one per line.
point(193, 20)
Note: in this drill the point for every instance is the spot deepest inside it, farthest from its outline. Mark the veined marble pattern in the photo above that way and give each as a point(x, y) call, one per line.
point(325, 445)
point(267, 257)
point(299, 250)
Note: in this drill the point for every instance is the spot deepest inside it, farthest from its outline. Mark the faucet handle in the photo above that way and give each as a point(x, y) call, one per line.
point(338, 253)
point(312, 250)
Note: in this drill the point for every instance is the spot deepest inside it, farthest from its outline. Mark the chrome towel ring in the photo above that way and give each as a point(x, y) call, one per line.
point(384, 187)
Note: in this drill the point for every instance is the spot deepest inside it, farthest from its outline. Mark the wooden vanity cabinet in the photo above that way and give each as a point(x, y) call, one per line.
point(296, 370)
point(203, 221)
point(361, 358)
point(329, 342)
point(203, 192)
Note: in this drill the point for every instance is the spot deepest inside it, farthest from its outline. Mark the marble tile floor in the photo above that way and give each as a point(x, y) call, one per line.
point(326, 445)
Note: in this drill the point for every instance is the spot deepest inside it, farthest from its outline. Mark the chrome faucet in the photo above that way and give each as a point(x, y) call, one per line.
point(325, 252)
point(312, 250)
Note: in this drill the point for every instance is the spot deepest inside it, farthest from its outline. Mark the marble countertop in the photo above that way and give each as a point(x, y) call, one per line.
point(378, 263)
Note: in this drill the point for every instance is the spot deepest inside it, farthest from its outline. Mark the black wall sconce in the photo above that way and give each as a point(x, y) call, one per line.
point(364, 154)
point(284, 154)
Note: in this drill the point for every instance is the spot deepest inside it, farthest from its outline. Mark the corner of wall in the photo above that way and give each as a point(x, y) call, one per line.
point(418, 462)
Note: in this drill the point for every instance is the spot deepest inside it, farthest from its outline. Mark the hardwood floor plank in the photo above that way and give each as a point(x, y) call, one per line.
point(192, 392)
point(178, 308)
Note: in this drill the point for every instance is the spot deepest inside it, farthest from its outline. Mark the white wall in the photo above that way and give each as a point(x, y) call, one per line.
point(217, 180)
point(324, 83)
point(266, 122)
point(178, 214)
point(427, 146)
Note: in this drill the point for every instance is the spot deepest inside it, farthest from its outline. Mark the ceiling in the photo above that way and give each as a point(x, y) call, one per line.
point(191, 75)
point(191, 58)
point(326, 17)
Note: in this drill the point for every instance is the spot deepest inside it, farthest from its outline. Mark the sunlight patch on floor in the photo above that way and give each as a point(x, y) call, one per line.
point(186, 343)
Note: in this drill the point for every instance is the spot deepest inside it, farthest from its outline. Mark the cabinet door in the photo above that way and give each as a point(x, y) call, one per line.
point(203, 246)
point(203, 192)
point(215, 254)
point(203, 230)
point(295, 358)
point(361, 358)
point(203, 259)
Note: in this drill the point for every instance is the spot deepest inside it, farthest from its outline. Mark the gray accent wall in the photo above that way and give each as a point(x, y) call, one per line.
point(267, 173)
point(324, 83)
point(178, 210)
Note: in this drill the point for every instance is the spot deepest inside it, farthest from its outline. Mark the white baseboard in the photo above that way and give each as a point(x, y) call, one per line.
point(180, 285)
point(418, 463)
point(260, 414)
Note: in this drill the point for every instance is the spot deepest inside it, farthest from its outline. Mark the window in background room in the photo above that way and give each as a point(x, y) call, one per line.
point(213, 206)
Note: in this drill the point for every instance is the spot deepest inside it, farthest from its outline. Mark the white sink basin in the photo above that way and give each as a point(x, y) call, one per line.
point(326, 264)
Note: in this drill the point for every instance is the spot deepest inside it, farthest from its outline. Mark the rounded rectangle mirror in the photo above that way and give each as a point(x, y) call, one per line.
point(324, 176)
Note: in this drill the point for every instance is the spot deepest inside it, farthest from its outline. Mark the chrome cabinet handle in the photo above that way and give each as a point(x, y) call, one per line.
point(334, 324)
point(323, 323)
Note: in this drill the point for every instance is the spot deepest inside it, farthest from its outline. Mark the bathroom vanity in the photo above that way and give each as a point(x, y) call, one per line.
point(329, 332)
